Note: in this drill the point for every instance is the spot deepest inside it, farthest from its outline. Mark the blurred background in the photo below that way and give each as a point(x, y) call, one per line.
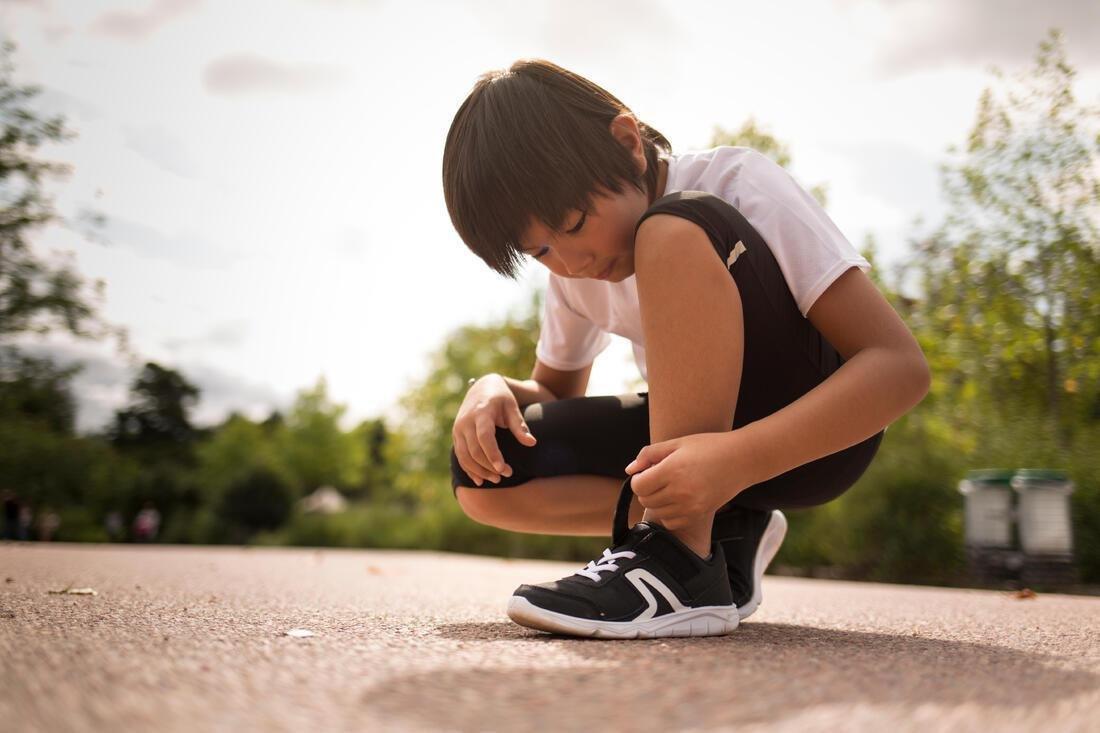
point(233, 309)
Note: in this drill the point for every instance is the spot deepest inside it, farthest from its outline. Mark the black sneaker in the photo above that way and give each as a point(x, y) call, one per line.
point(750, 539)
point(648, 584)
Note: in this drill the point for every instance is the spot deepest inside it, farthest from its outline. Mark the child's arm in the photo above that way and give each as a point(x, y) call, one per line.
point(885, 376)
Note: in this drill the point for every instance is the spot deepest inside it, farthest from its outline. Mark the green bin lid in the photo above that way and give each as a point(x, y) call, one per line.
point(990, 476)
point(1042, 474)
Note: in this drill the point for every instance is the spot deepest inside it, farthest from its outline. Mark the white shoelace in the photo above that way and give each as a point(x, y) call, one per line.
point(606, 562)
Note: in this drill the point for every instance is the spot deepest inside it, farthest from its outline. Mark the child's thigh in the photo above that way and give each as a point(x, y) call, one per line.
point(580, 435)
point(786, 357)
point(811, 484)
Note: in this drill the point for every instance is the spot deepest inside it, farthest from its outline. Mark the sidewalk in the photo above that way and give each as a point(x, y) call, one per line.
point(194, 638)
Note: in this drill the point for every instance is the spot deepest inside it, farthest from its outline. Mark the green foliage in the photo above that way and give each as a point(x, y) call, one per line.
point(35, 296)
point(1010, 321)
point(234, 451)
point(156, 427)
point(313, 446)
point(437, 526)
point(373, 437)
point(49, 468)
point(1082, 463)
point(901, 521)
point(261, 500)
point(430, 408)
point(37, 390)
point(79, 524)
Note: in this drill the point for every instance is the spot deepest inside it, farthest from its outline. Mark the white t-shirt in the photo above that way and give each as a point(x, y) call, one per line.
point(579, 314)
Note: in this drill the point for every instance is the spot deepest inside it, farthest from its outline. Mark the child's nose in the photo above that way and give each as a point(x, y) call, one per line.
point(576, 264)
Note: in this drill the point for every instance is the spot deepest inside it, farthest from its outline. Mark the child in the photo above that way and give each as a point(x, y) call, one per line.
point(773, 363)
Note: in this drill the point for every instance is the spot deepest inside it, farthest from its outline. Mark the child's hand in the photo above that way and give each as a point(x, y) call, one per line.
point(681, 479)
point(488, 405)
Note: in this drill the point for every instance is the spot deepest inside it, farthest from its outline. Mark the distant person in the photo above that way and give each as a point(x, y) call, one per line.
point(26, 519)
point(49, 522)
point(741, 293)
point(147, 523)
point(11, 516)
point(113, 525)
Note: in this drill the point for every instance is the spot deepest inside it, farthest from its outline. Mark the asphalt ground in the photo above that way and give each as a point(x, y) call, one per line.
point(195, 638)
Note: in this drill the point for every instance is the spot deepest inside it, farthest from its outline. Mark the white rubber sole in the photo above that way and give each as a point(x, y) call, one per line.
point(769, 545)
point(702, 621)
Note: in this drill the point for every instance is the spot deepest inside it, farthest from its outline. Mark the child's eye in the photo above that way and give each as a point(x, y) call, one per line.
point(542, 252)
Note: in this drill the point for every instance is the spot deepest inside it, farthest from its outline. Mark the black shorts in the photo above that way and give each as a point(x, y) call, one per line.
point(784, 358)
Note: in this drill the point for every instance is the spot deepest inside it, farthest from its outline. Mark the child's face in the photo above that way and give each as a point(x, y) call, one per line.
point(603, 245)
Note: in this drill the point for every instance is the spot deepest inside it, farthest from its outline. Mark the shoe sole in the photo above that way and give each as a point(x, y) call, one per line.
point(769, 545)
point(702, 621)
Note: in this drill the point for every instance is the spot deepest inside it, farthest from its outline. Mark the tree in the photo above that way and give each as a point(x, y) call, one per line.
point(1011, 319)
point(37, 392)
point(156, 425)
point(35, 295)
point(377, 475)
point(429, 409)
point(260, 500)
point(314, 447)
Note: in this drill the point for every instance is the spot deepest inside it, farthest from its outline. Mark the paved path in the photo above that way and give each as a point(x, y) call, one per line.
point(185, 639)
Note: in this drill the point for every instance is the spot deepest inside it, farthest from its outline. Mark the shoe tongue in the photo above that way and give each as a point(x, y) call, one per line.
point(641, 529)
point(635, 533)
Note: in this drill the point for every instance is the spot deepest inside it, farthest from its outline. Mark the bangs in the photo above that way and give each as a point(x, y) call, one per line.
point(532, 144)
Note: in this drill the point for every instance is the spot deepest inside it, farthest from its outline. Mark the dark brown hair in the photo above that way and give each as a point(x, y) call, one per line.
point(534, 140)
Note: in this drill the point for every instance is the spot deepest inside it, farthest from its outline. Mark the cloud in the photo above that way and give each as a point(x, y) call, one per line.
point(895, 173)
point(102, 386)
point(617, 38)
point(223, 392)
point(185, 248)
point(354, 243)
point(54, 32)
point(134, 25)
point(248, 72)
point(161, 147)
point(930, 33)
point(228, 334)
point(99, 388)
point(52, 101)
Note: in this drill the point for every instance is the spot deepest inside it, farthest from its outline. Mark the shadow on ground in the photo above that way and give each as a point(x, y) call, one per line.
point(761, 672)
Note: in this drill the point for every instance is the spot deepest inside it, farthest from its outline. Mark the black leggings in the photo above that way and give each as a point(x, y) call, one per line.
point(784, 358)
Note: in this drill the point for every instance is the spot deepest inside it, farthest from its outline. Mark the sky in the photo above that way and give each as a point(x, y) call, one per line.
point(269, 172)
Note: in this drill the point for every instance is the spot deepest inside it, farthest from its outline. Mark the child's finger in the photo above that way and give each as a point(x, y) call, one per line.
point(519, 428)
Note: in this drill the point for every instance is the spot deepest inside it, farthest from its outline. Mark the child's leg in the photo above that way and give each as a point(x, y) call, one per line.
point(580, 505)
point(569, 481)
point(694, 330)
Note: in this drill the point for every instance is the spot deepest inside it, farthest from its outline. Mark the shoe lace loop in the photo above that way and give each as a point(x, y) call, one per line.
point(605, 562)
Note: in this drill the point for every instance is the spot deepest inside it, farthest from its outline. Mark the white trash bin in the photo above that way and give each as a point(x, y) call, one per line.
point(989, 497)
point(1044, 511)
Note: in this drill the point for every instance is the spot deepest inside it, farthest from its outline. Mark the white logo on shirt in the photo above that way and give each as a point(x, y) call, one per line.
point(734, 254)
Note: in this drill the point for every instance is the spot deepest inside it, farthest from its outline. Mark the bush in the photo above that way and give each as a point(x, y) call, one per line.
point(261, 500)
point(442, 527)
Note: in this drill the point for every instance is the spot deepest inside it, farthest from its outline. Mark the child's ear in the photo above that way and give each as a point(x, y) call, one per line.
point(625, 129)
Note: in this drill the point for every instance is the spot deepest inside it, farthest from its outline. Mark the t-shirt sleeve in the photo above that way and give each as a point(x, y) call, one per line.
point(567, 340)
point(809, 248)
